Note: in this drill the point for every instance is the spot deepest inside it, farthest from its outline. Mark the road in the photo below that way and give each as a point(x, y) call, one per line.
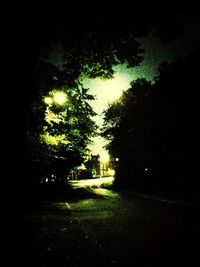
point(94, 226)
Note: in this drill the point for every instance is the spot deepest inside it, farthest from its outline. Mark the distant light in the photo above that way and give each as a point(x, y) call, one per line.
point(146, 169)
point(104, 157)
point(116, 159)
point(111, 172)
point(60, 97)
point(48, 100)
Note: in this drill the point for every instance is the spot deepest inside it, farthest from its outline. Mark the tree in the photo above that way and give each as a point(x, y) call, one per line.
point(178, 139)
point(152, 130)
point(129, 125)
point(63, 130)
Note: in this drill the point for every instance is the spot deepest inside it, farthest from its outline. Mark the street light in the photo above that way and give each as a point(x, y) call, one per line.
point(104, 159)
point(58, 97)
point(48, 100)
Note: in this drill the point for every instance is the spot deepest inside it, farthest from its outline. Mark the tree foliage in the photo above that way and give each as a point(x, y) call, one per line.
point(62, 131)
point(129, 124)
point(152, 129)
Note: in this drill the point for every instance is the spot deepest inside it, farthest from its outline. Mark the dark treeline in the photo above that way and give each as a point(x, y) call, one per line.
point(155, 133)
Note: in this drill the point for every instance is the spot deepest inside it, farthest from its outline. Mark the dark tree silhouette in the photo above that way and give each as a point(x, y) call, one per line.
point(152, 129)
point(133, 132)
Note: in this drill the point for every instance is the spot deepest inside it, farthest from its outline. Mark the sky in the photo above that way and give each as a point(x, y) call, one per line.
point(105, 92)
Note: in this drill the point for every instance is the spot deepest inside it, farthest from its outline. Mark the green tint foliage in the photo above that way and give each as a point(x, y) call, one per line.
point(63, 131)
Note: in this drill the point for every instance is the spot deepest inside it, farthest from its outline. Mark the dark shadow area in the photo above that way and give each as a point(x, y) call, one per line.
point(154, 133)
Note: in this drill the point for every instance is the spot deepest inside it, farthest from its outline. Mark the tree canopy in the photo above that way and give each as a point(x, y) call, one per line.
point(57, 46)
point(151, 129)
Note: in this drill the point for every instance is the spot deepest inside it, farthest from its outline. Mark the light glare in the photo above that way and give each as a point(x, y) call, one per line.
point(104, 156)
point(48, 100)
point(60, 98)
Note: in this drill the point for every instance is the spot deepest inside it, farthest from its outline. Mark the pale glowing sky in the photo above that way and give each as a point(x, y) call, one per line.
point(105, 91)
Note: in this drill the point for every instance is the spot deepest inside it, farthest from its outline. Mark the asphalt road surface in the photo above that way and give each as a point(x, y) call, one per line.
point(93, 226)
